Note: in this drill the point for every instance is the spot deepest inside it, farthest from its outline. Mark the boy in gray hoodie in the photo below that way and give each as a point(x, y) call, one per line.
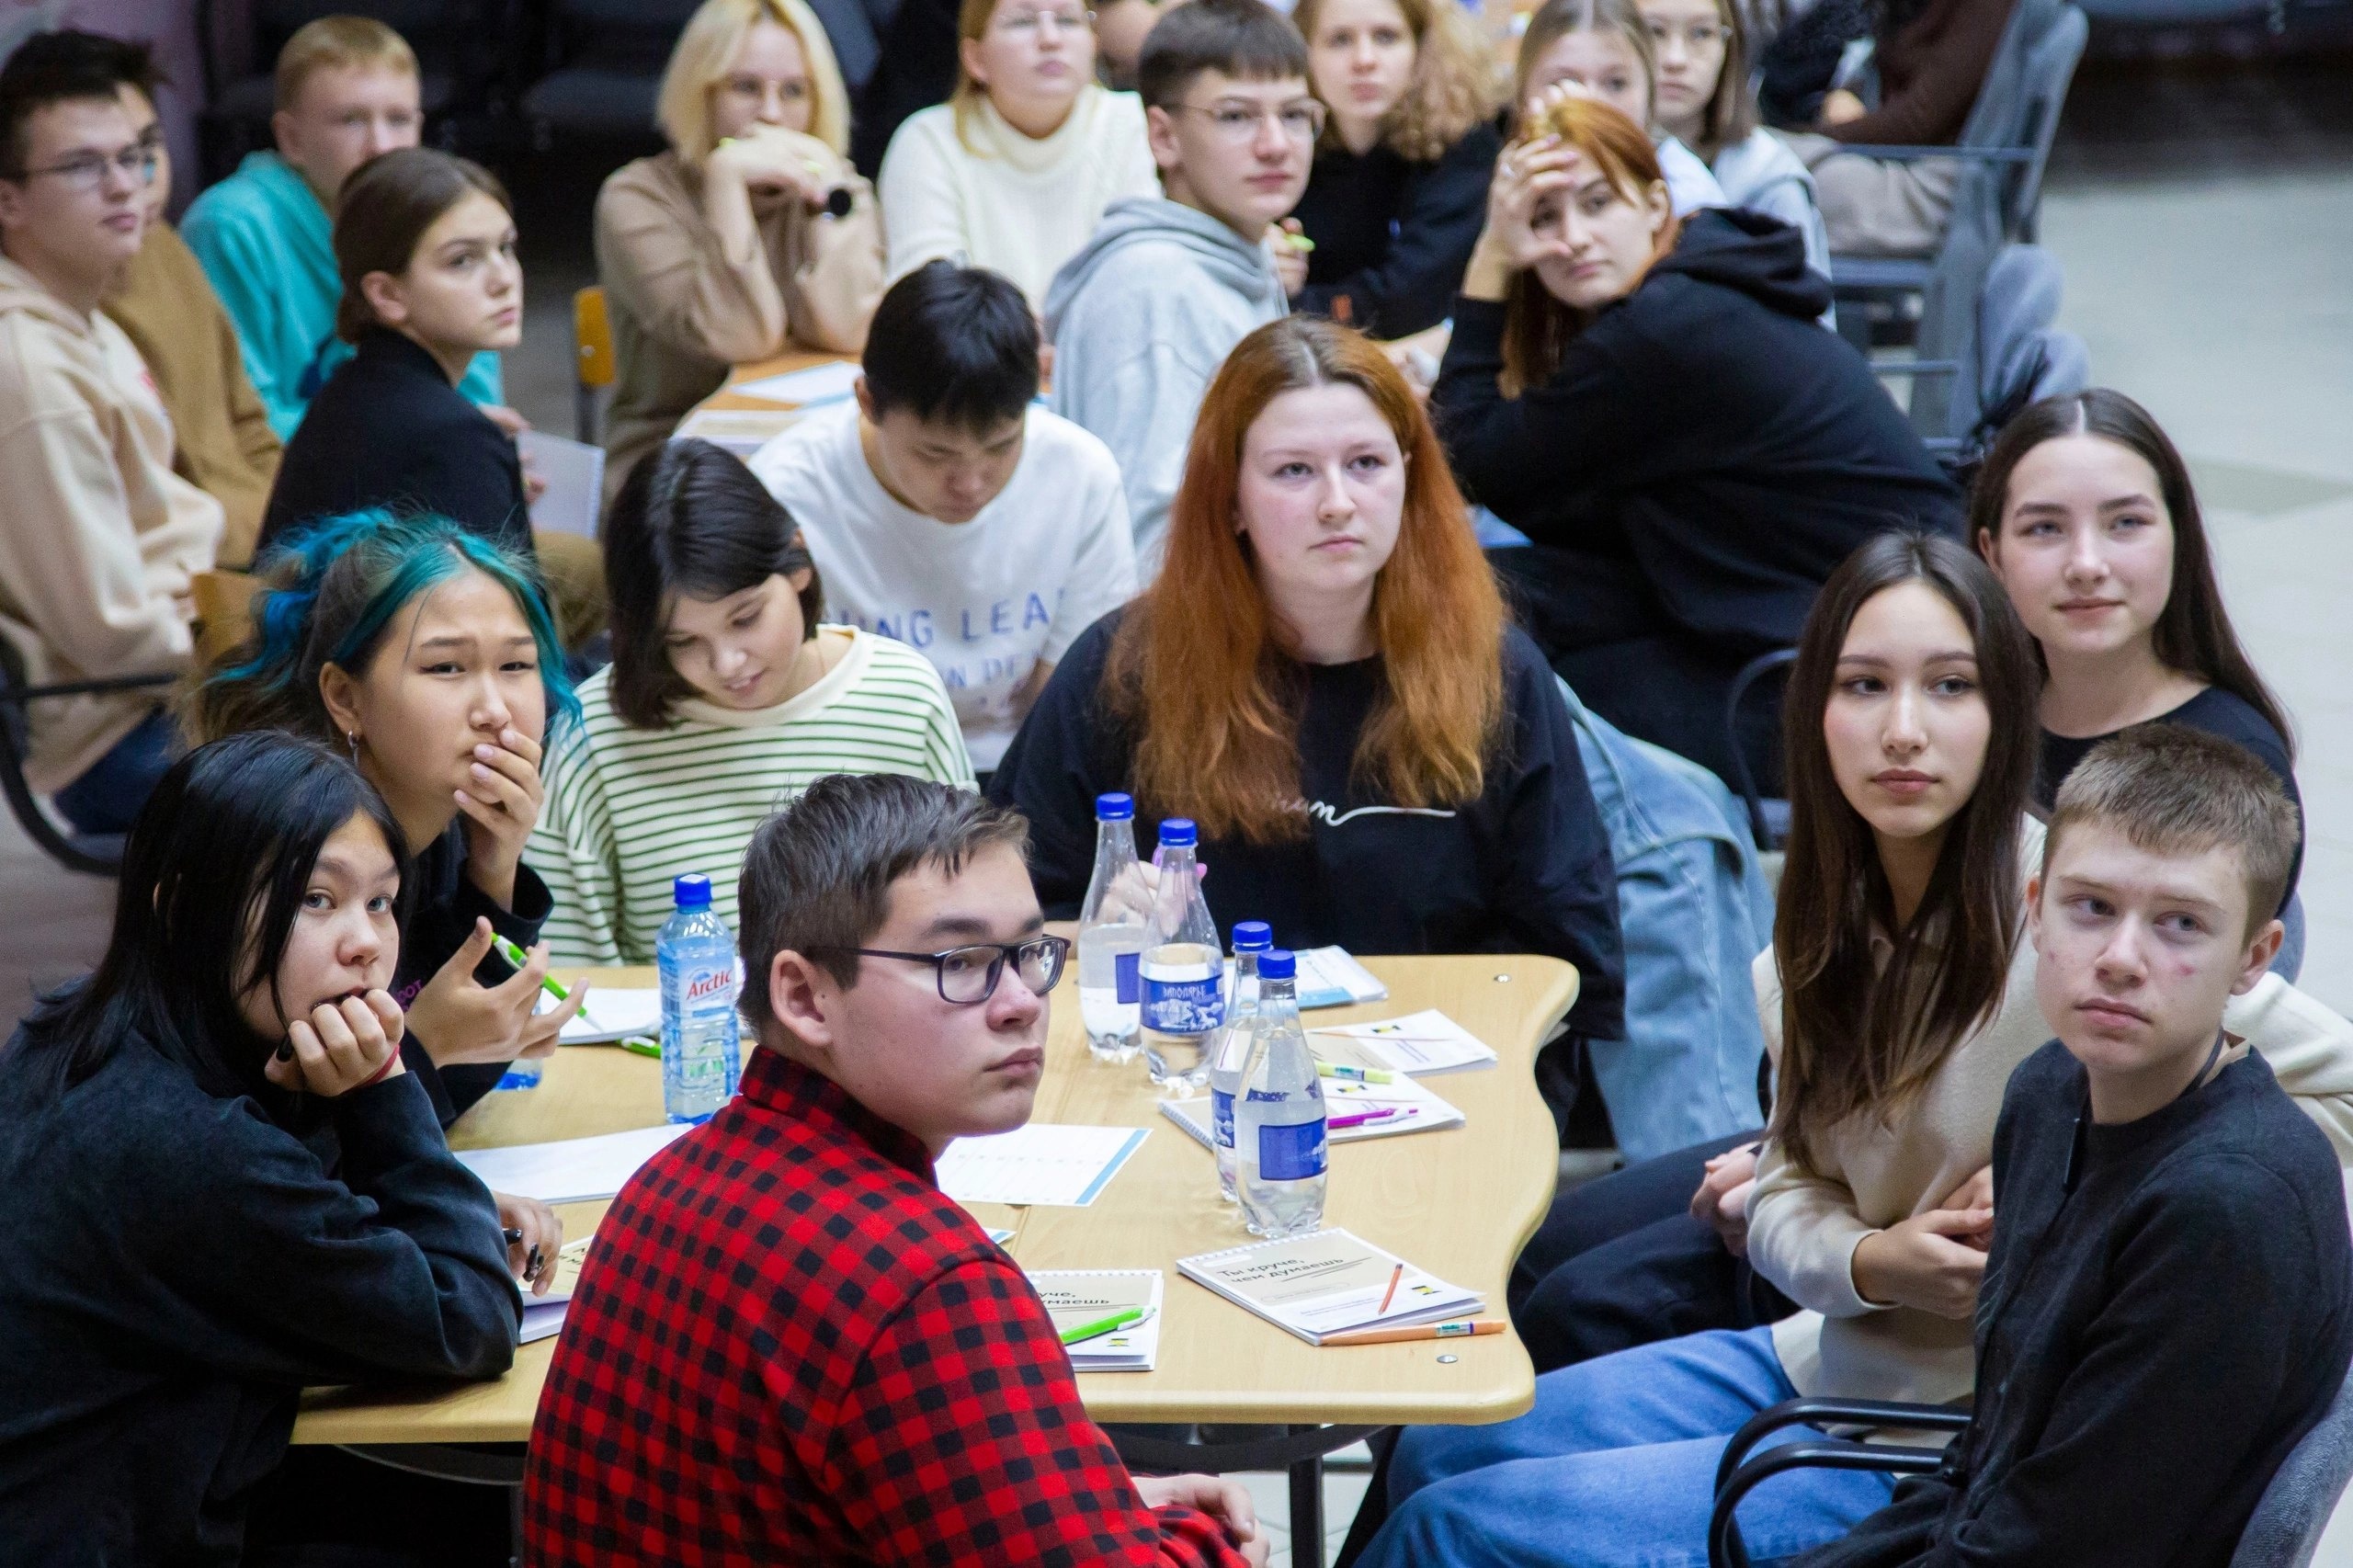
point(1142, 316)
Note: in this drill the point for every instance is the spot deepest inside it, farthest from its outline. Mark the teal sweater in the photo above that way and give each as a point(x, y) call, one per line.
point(269, 248)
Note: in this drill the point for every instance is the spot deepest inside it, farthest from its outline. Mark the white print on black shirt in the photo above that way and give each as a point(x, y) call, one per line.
point(1332, 816)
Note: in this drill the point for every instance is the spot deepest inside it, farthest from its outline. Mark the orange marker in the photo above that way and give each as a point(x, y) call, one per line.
point(1464, 1329)
point(1391, 1294)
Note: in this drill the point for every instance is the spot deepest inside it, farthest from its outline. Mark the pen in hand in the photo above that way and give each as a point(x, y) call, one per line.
point(515, 955)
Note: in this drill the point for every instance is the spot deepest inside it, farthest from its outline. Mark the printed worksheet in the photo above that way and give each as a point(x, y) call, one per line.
point(1043, 1162)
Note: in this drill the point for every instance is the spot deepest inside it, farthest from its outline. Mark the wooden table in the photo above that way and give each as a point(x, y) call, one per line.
point(1460, 1202)
point(741, 423)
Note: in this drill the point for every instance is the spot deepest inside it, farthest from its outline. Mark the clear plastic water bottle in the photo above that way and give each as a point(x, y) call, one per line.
point(1251, 937)
point(696, 957)
point(1111, 937)
point(1279, 1119)
point(1184, 971)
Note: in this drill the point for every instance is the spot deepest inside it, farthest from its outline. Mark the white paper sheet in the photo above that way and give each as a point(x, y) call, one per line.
point(574, 1171)
point(574, 473)
point(1039, 1163)
point(819, 384)
point(612, 1013)
point(1427, 1042)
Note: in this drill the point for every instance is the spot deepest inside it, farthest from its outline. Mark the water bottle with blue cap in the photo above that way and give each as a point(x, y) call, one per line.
point(695, 955)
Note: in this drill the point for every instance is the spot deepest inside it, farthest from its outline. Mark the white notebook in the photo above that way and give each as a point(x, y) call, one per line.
point(1327, 1282)
point(1424, 1042)
point(1418, 1110)
point(1077, 1298)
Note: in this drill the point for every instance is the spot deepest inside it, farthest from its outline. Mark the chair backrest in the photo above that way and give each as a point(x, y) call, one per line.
point(2288, 1519)
point(2018, 108)
point(592, 338)
point(224, 612)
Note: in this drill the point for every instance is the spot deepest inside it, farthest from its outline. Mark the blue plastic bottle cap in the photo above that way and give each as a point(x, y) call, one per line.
point(691, 891)
point(1252, 936)
point(1276, 963)
point(1114, 807)
point(1176, 833)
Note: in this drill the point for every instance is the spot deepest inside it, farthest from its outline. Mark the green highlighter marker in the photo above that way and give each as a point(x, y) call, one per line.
point(1102, 1325)
point(548, 984)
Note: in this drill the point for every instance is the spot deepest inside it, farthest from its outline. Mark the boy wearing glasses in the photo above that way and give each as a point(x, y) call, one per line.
point(1141, 318)
point(786, 1290)
point(99, 536)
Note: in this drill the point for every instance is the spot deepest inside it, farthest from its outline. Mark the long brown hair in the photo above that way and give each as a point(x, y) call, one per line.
point(1198, 668)
point(1858, 1036)
point(1556, 19)
point(382, 211)
point(1539, 328)
point(1731, 111)
point(2193, 634)
point(1455, 84)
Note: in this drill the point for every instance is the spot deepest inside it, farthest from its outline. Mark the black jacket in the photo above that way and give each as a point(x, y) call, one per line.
point(1392, 236)
point(388, 429)
point(1524, 867)
point(178, 1267)
point(440, 920)
point(1705, 429)
point(2167, 1307)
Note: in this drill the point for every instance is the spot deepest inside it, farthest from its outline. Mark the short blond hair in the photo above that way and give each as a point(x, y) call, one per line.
point(333, 43)
point(708, 47)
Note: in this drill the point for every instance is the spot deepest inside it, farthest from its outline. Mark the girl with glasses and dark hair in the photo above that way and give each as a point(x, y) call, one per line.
point(1898, 995)
point(180, 1263)
point(2087, 512)
point(725, 697)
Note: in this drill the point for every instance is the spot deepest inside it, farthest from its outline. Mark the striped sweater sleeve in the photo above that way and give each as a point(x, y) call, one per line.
point(571, 848)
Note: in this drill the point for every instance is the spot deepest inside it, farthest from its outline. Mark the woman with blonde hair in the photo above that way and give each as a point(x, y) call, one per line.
point(1012, 172)
point(1401, 173)
point(1374, 755)
point(1652, 402)
point(750, 236)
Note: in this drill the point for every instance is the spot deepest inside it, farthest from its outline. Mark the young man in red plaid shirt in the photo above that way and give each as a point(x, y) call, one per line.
point(788, 1346)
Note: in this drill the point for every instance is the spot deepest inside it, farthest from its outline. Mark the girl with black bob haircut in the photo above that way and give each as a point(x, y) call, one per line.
point(180, 1264)
point(726, 696)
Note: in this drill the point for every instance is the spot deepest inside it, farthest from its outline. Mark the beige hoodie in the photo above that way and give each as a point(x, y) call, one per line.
point(99, 536)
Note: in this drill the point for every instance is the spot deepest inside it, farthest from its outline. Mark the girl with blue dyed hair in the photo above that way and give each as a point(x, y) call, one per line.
point(426, 654)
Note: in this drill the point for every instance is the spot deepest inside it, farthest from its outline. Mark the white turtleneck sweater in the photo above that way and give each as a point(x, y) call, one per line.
point(1000, 200)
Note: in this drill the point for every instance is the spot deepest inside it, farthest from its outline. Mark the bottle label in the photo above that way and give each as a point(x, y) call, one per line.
point(1184, 991)
point(1293, 1153)
point(708, 988)
point(1127, 978)
point(1222, 1117)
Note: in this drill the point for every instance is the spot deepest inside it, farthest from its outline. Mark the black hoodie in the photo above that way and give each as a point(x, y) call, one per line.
point(1704, 429)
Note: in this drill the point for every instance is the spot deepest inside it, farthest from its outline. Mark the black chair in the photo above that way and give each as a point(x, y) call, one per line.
point(460, 46)
point(99, 855)
point(1769, 818)
point(604, 59)
point(1737, 1474)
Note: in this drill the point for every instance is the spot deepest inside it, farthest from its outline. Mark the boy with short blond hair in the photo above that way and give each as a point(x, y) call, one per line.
point(2168, 1300)
point(347, 90)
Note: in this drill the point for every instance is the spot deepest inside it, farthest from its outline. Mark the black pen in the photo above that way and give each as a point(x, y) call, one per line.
point(532, 1260)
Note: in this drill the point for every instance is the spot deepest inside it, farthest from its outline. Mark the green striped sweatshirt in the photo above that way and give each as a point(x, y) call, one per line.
point(628, 809)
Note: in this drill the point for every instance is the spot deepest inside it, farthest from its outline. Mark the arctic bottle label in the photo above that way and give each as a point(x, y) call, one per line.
point(1291, 1153)
point(1127, 978)
point(1222, 1117)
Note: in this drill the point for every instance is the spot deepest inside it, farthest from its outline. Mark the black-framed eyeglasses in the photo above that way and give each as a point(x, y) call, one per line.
point(969, 974)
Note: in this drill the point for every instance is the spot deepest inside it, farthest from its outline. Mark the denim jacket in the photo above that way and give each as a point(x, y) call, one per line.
point(1695, 911)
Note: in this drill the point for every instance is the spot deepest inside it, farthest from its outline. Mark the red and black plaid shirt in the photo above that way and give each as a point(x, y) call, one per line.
point(788, 1346)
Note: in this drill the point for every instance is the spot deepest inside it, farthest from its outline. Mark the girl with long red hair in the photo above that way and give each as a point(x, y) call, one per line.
point(1323, 676)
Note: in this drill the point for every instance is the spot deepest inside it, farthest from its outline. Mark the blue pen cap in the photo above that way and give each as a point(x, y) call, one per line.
point(691, 891)
point(1276, 963)
point(1176, 833)
point(1253, 935)
point(1114, 807)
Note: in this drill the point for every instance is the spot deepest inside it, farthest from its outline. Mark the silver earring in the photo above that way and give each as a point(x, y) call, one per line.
point(351, 739)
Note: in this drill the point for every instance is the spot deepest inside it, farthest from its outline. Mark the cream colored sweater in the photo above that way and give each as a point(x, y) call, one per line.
point(99, 536)
point(1802, 1229)
point(1006, 202)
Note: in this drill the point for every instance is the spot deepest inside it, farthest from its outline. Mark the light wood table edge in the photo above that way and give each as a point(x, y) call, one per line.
point(482, 1413)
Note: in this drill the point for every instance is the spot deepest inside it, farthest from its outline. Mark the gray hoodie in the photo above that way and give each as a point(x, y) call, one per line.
point(1141, 318)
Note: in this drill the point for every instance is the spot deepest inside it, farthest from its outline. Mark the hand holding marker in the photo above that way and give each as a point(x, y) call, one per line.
point(552, 986)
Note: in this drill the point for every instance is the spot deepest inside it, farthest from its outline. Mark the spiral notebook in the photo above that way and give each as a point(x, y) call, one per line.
point(1077, 1298)
point(1327, 1282)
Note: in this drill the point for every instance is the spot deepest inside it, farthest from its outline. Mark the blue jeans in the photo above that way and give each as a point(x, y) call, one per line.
point(1615, 1468)
point(107, 798)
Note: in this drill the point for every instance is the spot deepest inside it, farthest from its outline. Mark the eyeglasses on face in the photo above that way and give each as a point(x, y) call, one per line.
point(1234, 121)
point(1028, 19)
point(87, 171)
point(969, 974)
